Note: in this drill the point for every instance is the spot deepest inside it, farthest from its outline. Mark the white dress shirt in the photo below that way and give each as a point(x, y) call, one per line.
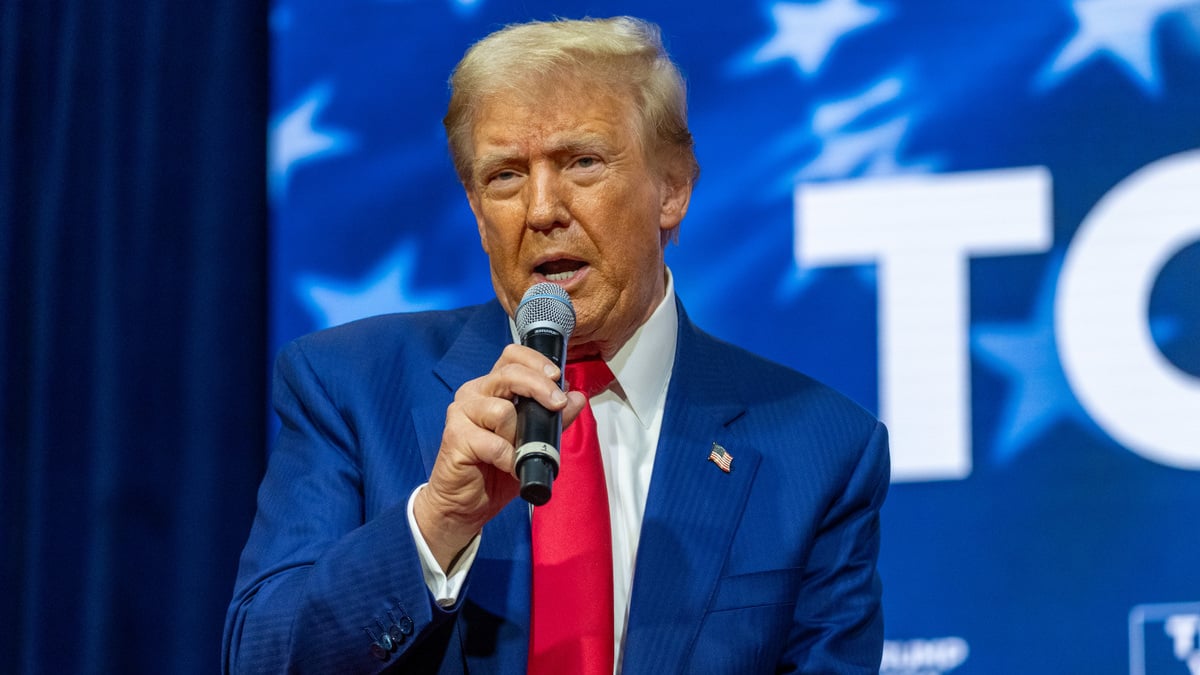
point(628, 421)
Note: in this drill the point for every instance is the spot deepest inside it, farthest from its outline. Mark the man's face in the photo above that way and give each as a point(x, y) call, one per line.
point(562, 191)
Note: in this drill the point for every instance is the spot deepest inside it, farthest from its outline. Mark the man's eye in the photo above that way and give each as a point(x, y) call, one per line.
point(502, 176)
point(586, 162)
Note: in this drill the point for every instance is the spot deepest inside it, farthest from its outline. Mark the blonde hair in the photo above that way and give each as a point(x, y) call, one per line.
point(624, 52)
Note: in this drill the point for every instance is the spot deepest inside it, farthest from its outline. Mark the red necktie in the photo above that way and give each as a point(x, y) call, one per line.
point(572, 615)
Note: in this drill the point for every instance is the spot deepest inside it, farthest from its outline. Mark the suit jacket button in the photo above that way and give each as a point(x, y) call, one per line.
point(379, 652)
point(385, 641)
point(396, 635)
point(406, 625)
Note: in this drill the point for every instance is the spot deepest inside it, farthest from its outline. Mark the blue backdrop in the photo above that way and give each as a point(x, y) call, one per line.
point(981, 220)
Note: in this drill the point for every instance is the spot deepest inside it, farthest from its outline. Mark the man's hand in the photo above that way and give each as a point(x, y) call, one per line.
point(475, 472)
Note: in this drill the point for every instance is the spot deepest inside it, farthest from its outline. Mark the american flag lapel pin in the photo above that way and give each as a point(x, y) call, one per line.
point(721, 457)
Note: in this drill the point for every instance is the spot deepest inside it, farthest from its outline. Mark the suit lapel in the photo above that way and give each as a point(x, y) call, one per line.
point(692, 510)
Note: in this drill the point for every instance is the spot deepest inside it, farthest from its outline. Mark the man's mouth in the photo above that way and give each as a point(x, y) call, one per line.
point(561, 269)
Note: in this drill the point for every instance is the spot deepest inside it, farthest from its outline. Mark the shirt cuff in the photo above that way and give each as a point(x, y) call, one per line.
point(444, 586)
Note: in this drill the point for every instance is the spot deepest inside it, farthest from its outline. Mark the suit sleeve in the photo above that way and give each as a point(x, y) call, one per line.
point(838, 624)
point(319, 590)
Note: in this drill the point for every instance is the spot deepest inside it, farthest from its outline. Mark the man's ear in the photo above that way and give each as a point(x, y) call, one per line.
point(676, 195)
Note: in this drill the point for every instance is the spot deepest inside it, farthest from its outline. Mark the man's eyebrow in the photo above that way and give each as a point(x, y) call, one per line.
point(485, 164)
point(577, 144)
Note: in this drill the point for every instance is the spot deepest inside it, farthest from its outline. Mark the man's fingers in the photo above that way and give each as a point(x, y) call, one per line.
point(496, 415)
point(486, 428)
point(520, 371)
point(526, 356)
point(486, 447)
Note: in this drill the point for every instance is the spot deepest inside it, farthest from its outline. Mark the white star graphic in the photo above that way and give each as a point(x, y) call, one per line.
point(870, 151)
point(295, 139)
point(806, 33)
point(848, 152)
point(1122, 30)
point(385, 289)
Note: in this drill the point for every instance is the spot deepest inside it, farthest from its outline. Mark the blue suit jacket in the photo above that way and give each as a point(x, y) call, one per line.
point(770, 567)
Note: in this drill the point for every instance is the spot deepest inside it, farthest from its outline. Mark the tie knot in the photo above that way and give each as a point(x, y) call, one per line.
point(590, 375)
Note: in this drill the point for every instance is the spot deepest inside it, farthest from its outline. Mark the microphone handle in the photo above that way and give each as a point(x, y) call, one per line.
point(539, 431)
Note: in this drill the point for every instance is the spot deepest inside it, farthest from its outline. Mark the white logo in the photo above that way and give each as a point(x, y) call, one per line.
point(921, 232)
point(1164, 634)
point(933, 656)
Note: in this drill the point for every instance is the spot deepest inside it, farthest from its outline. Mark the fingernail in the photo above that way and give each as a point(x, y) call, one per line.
point(558, 397)
point(551, 371)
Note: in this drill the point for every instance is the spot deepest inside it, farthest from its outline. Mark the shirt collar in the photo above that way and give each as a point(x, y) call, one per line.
point(643, 365)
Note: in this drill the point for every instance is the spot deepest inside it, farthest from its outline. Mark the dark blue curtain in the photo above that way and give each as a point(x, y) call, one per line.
point(132, 327)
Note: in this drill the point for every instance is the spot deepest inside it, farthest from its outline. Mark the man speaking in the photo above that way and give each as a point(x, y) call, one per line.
point(712, 512)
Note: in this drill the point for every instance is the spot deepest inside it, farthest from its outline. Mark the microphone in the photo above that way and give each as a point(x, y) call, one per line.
point(545, 319)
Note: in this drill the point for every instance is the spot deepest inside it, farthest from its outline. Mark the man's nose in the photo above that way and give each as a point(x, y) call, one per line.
point(545, 208)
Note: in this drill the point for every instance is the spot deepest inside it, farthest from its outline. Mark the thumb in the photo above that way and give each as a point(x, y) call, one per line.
point(575, 402)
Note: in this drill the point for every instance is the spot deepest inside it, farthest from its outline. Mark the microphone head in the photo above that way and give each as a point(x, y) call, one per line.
point(545, 305)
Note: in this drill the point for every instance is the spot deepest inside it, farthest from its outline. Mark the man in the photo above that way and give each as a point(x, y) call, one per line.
point(743, 497)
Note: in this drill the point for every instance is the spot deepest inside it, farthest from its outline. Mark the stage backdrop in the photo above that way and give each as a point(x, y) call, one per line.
point(981, 220)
